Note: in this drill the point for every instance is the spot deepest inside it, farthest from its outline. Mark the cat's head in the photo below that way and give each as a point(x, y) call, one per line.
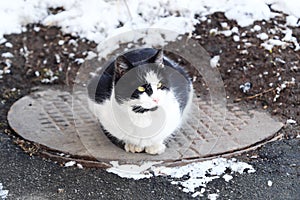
point(144, 86)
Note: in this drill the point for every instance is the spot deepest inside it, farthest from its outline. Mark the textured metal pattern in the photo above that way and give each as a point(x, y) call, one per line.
point(61, 122)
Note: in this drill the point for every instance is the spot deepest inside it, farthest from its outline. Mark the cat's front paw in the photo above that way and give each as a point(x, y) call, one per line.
point(156, 149)
point(133, 148)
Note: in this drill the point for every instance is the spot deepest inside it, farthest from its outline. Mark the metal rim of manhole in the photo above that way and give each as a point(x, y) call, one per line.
point(60, 122)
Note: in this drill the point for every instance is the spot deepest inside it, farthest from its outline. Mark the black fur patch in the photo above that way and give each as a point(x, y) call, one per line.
point(140, 109)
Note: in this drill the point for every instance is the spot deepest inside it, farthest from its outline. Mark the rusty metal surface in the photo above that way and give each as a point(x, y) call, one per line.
point(62, 123)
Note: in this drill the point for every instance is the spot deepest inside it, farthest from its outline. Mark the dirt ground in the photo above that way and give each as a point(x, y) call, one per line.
point(44, 56)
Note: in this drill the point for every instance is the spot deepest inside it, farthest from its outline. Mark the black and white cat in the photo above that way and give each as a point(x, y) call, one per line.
point(141, 98)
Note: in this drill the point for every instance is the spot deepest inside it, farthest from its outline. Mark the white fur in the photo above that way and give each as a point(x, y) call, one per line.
point(146, 130)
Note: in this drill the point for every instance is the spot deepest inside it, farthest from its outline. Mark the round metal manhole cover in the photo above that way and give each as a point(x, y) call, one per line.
point(47, 118)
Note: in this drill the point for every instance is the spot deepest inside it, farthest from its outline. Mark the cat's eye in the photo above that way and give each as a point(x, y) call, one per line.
point(141, 89)
point(159, 85)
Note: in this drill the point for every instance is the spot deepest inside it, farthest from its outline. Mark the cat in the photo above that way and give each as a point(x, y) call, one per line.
point(141, 98)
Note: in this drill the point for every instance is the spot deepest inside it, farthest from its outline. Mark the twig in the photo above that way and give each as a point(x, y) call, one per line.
point(127, 7)
point(254, 96)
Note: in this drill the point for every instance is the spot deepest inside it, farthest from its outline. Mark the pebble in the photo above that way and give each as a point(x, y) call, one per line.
point(270, 183)
point(262, 36)
point(61, 42)
point(291, 121)
point(8, 45)
point(236, 38)
point(70, 164)
point(257, 28)
point(7, 55)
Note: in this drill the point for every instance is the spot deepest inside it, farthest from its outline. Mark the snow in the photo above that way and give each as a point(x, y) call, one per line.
point(8, 45)
point(236, 38)
point(99, 20)
point(79, 60)
point(213, 196)
point(79, 166)
point(262, 36)
point(257, 28)
point(199, 173)
point(290, 7)
point(7, 55)
point(83, 19)
point(235, 30)
point(214, 61)
point(3, 193)
point(269, 44)
point(270, 183)
point(227, 177)
point(70, 164)
point(291, 121)
point(132, 171)
point(61, 42)
point(282, 86)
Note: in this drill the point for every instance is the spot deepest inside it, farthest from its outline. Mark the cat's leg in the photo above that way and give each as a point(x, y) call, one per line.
point(158, 148)
point(133, 148)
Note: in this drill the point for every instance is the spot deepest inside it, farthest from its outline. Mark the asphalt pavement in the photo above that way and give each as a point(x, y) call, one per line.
point(277, 176)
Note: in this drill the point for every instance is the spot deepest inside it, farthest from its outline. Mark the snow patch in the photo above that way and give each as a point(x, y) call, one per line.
point(213, 196)
point(3, 193)
point(291, 121)
point(270, 183)
point(262, 36)
point(7, 55)
point(227, 177)
point(70, 164)
point(8, 45)
point(198, 173)
point(82, 17)
point(214, 61)
point(132, 171)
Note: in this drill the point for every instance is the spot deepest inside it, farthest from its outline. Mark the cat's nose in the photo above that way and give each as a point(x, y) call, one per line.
point(156, 100)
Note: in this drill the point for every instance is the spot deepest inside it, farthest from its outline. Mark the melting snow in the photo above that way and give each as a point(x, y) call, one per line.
point(270, 183)
point(214, 61)
point(3, 193)
point(132, 171)
point(262, 36)
point(81, 17)
point(7, 55)
point(70, 164)
point(198, 173)
point(213, 196)
point(291, 121)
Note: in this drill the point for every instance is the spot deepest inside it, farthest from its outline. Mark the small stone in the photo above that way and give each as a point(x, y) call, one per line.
point(61, 42)
point(270, 183)
point(257, 28)
point(70, 164)
point(291, 121)
point(8, 45)
point(60, 190)
point(236, 38)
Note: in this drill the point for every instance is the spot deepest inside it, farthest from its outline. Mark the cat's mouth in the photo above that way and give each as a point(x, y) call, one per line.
point(140, 109)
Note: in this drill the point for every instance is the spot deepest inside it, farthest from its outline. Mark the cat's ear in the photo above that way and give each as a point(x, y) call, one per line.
point(122, 65)
point(158, 58)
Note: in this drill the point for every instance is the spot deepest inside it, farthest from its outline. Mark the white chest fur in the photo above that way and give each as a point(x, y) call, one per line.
point(143, 129)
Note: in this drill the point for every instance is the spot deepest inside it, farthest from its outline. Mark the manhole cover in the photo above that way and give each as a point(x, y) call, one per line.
point(47, 118)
